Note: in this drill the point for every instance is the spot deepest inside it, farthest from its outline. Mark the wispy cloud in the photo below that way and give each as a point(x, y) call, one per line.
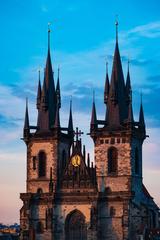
point(150, 30)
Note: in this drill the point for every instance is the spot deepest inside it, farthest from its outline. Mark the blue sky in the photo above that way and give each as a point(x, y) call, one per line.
point(82, 40)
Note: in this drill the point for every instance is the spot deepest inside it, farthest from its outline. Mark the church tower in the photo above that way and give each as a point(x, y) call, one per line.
point(69, 196)
point(48, 149)
point(118, 144)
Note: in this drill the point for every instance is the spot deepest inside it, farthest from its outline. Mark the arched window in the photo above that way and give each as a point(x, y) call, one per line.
point(112, 160)
point(136, 161)
point(42, 164)
point(75, 226)
point(64, 159)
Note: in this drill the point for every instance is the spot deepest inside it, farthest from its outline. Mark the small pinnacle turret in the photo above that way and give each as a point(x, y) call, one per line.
point(70, 122)
point(44, 100)
point(129, 97)
point(142, 125)
point(141, 116)
point(128, 86)
point(93, 124)
point(26, 129)
point(58, 92)
point(106, 88)
point(57, 120)
point(39, 93)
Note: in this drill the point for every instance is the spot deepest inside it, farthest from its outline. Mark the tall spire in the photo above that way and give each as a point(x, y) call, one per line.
point(47, 111)
point(117, 107)
point(39, 92)
point(26, 129)
point(58, 92)
point(70, 122)
point(93, 124)
point(106, 88)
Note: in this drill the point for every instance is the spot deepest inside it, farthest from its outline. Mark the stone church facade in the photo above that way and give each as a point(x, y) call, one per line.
point(68, 197)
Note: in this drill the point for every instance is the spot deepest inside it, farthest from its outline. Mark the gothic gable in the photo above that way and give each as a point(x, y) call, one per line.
point(77, 173)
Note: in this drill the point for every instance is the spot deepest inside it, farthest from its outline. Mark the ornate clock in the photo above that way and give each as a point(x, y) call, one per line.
point(76, 160)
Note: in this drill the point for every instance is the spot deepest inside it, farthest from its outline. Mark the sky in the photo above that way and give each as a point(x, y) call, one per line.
point(82, 40)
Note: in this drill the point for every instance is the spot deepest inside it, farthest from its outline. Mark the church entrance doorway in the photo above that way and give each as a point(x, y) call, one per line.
point(75, 227)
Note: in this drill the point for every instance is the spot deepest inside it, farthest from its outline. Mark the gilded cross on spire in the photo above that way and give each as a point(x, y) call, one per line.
point(77, 133)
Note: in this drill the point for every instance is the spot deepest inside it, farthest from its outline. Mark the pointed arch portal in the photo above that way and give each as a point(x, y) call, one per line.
point(75, 226)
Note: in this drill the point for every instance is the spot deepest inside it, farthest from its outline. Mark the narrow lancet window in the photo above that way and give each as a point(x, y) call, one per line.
point(112, 160)
point(42, 164)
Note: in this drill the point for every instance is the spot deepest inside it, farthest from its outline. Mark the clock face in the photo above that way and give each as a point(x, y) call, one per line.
point(76, 160)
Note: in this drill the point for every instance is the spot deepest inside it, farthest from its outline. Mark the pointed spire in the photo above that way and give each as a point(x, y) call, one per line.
point(130, 110)
point(93, 124)
point(57, 119)
point(26, 129)
point(47, 111)
point(39, 92)
point(128, 83)
point(70, 122)
point(58, 92)
point(106, 88)
point(117, 107)
point(141, 115)
point(117, 79)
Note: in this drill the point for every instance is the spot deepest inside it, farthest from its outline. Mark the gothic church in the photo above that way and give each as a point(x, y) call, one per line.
point(70, 197)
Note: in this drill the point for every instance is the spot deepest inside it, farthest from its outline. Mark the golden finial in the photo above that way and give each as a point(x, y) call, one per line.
point(49, 24)
point(116, 23)
point(49, 30)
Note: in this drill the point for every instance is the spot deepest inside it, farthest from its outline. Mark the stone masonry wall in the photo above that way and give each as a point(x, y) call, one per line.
point(120, 181)
point(33, 182)
point(110, 226)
